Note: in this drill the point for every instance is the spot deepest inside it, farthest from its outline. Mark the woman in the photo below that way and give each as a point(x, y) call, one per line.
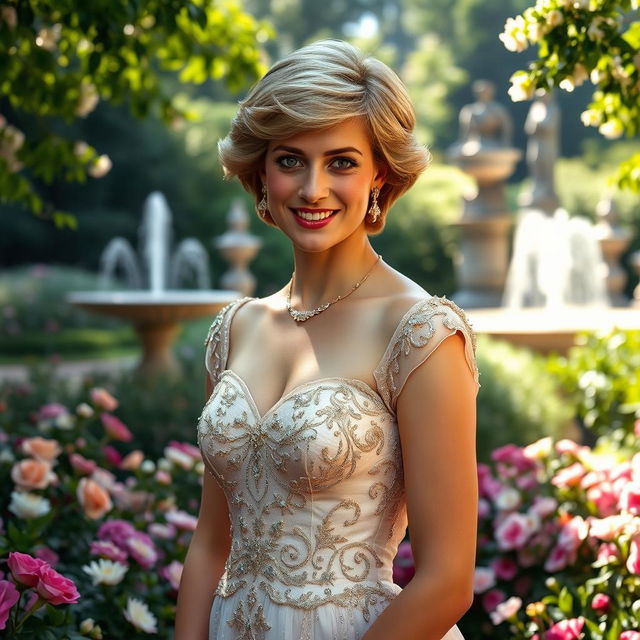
point(340, 403)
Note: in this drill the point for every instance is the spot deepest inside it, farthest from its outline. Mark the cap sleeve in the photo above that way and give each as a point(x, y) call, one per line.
point(422, 329)
point(217, 340)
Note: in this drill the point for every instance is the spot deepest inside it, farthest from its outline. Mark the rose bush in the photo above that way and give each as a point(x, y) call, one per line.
point(93, 533)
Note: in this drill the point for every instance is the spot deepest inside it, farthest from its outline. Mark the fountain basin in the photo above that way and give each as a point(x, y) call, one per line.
point(156, 317)
point(550, 330)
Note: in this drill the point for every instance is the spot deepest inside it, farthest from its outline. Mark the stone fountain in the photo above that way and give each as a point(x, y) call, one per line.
point(154, 305)
point(561, 278)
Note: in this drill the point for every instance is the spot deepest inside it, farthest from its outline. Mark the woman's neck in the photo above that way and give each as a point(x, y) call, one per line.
point(322, 276)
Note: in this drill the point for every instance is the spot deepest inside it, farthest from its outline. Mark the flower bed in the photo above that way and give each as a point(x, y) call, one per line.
point(92, 533)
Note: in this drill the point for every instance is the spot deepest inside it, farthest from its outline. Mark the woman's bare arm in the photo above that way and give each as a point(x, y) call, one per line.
point(436, 419)
point(205, 560)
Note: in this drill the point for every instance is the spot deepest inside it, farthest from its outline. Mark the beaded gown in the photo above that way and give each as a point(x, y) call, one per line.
point(315, 488)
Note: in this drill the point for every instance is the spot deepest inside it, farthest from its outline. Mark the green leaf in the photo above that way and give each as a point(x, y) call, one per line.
point(565, 601)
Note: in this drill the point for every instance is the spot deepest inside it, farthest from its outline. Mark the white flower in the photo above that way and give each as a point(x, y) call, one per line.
point(508, 499)
point(522, 88)
point(100, 167)
point(105, 571)
point(505, 610)
point(514, 36)
point(138, 614)
point(148, 466)
point(179, 458)
point(539, 449)
point(84, 410)
point(28, 505)
point(591, 118)
point(611, 128)
point(199, 468)
point(88, 99)
point(483, 579)
point(581, 4)
point(554, 18)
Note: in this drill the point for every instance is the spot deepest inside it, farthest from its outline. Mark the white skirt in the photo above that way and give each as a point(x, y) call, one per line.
point(232, 620)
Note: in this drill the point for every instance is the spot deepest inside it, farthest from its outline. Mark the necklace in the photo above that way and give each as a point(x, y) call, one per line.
point(302, 316)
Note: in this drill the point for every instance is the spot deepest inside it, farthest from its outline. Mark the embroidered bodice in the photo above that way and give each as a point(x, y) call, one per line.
point(315, 485)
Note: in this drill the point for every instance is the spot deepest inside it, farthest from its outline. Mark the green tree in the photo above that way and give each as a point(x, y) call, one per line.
point(58, 58)
point(580, 40)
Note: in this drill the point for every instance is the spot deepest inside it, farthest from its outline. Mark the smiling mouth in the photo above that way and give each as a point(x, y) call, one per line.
point(314, 214)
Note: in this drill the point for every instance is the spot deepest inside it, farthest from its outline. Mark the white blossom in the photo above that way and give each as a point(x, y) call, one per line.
point(505, 610)
point(28, 505)
point(101, 166)
point(514, 36)
point(554, 18)
point(105, 571)
point(611, 128)
point(138, 614)
point(591, 118)
point(521, 88)
point(88, 99)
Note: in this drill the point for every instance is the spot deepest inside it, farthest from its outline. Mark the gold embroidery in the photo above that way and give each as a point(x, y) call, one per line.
point(251, 628)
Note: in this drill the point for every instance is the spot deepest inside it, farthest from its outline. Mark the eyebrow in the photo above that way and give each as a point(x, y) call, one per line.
point(332, 152)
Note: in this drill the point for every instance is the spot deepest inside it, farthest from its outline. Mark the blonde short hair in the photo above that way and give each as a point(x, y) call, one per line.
point(319, 86)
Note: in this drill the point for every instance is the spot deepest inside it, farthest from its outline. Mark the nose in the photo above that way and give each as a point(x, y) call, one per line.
point(314, 186)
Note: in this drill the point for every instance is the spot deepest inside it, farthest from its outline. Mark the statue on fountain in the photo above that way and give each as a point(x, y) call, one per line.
point(542, 127)
point(484, 124)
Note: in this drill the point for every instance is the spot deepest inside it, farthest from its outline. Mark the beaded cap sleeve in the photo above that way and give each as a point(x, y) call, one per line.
point(217, 340)
point(422, 329)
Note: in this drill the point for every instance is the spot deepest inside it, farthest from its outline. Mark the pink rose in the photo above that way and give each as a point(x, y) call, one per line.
point(630, 635)
point(567, 446)
point(187, 448)
point(483, 579)
point(116, 428)
point(55, 588)
point(543, 506)
point(47, 555)
point(607, 552)
point(569, 476)
point(513, 531)
point(182, 520)
point(112, 456)
point(633, 561)
point(32, 474)
point(488, 485)
point(162, 531)
point(630, 498)
point(492, 598)
point(116, 531)
point(600, 603)
point(142, 549)
point(403, 565)
point(8, 597)
point(81, 464)
point(24, 568)
point(505, 568)
point(94, 499)
point(173, 573)
point(605, 499)
point(559, 558)
point(102, 399)
point(41, 448)
point(106, 549)
point(506, 610)
point(565, 630)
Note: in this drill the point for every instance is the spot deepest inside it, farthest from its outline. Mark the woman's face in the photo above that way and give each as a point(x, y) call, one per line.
point(319, 182)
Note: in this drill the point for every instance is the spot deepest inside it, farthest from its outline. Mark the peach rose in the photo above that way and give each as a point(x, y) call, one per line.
point(41, 448)
point(94, 499)
point(32, 474)
point(102, 399)
point(132, 460)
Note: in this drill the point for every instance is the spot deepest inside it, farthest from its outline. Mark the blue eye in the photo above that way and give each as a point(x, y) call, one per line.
point(288, 162)
point(344, 163)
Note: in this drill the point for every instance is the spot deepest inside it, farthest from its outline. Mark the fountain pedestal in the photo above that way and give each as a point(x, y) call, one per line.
point(156, 318)
point(484, 226)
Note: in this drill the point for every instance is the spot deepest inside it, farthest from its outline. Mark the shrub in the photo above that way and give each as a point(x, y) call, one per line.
point(518, 400)
point(36, 319)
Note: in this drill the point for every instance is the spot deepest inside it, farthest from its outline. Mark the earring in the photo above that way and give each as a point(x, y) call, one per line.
point(262, 205)
point(374, 209)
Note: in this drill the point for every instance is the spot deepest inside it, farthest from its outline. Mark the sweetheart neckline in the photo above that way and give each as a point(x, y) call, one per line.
point(354, 382)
